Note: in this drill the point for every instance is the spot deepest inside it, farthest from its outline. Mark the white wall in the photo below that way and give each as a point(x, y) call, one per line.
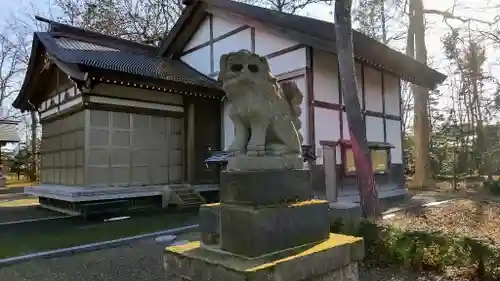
point(327, 121)
point(373, 89)
point(265, 43)
point(391, 91)
point(326, 83)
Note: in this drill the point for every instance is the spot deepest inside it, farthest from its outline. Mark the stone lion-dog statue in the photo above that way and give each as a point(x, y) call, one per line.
point(265, 115)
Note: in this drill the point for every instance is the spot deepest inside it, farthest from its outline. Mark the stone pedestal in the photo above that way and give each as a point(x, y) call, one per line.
point(255, 231)
point(262, 188)
point(266, 228)
point(334, 259)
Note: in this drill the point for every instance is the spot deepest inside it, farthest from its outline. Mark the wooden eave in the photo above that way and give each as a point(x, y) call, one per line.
point(98, 76)
point(185, 27)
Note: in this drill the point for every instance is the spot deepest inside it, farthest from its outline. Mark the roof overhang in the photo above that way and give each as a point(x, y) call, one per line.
point(44, 49)
point(366, 49)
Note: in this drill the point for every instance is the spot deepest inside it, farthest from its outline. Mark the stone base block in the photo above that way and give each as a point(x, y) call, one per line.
point(209, 223)
point(265, 187)
point(334, 259)
point(255, 231)
point(345, 210)
point(264, 162)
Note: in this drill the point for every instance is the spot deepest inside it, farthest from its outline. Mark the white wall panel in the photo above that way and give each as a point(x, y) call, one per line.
point(373, 89)
point(287, 62)
point(394, 138)
point(327, 128)
point(326, 82)
point(392, 102)
point(267, 43)
point(199, 60)
point(374, 128)
point(225, 25)
point(201, 36)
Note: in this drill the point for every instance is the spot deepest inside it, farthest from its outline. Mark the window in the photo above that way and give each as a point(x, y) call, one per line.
point(380, 160)
point(379, 157)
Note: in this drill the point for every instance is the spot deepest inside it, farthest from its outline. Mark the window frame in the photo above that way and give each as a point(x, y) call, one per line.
point(345, 146)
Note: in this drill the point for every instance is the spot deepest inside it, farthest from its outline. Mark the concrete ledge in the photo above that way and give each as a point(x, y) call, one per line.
point(82, 194)
point(392, 194)
point(94, 246)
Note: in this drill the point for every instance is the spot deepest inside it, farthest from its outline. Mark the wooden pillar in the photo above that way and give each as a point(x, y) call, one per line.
point(190, 142)
point(330, 167)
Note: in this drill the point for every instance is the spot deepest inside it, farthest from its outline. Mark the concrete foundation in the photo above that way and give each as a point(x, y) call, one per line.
point(334, 259)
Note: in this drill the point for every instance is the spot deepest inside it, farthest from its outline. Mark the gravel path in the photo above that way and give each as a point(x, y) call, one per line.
point(140, 261)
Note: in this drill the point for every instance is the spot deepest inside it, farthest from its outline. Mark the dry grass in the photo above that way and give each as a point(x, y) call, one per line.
point(463, 217)
point(19, 203)
point(16, 186)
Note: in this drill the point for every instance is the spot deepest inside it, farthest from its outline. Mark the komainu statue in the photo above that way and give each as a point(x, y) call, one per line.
point(265, 115)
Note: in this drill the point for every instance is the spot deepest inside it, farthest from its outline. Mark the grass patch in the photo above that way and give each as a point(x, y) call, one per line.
point(15, 243)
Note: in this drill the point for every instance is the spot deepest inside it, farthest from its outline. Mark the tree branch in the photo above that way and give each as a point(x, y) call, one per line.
point(448, 15)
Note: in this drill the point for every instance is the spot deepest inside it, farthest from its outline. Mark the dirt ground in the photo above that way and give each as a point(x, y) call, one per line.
point(143, 261)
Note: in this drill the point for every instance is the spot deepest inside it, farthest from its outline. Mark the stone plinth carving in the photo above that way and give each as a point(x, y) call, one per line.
point(267, 226)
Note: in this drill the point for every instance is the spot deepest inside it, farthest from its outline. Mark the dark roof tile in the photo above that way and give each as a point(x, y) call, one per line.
point(114, 58)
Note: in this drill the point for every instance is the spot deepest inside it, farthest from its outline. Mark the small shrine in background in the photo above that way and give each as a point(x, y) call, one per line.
point(8, 134)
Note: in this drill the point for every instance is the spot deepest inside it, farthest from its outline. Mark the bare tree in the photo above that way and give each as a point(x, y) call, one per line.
point(9, 66)
point(141, 21)
point(357, 128)
point(286, 6)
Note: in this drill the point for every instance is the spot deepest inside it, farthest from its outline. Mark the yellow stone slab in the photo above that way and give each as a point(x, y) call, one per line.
point(196, 251)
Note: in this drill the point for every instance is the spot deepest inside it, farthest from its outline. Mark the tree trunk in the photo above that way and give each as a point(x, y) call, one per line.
point(421, 96)
point(357, 128)
point(34, 171)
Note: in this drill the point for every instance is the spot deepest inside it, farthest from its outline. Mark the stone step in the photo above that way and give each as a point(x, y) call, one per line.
point(188, 196)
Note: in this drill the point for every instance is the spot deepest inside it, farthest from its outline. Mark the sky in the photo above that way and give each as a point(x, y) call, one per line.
point(436, 27)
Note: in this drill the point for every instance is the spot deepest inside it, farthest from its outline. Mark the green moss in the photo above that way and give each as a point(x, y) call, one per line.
point(493, 186)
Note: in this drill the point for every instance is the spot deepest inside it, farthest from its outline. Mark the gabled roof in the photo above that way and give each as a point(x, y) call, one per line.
point(316, 33)
point(83, 54)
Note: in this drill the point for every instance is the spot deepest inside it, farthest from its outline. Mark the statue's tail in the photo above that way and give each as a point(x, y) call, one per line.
point(294, 98)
